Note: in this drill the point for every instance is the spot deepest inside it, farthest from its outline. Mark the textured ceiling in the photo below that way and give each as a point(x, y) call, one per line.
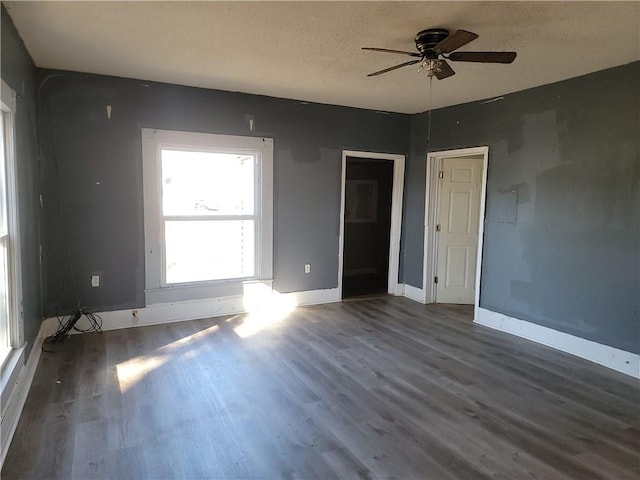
point(311, 50)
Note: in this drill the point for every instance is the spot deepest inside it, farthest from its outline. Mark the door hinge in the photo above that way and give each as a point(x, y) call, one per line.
point(435, 279)
point(441, 174)
point(437, 227)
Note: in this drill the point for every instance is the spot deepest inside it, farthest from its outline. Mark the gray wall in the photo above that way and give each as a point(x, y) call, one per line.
point(562, 242)
point(18, 71)
point(101, 225)
point(561, 231)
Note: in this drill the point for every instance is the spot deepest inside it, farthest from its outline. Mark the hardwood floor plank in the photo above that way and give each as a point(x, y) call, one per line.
point(376, 388)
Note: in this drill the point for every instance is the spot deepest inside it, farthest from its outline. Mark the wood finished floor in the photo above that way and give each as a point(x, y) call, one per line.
point(378, 388)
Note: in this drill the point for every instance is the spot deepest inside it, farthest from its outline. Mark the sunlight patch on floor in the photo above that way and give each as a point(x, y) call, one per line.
point(135, 369)
point(186, 341)
point(265, 306)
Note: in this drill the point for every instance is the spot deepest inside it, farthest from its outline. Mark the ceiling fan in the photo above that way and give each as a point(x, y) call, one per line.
point(435, 46)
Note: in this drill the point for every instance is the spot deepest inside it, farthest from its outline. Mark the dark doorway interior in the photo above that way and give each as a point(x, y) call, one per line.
point(367, 226)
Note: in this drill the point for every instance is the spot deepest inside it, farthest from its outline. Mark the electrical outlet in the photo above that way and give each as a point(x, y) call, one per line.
point(95, 280)
point(307, 268)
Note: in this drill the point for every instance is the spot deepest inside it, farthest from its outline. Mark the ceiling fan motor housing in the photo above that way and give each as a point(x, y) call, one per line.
point(429, 38)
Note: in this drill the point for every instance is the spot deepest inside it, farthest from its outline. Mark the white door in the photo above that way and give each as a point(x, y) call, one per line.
point(457, 229)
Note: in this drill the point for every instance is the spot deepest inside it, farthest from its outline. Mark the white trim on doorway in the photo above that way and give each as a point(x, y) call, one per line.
point(396, 214)
point(432, 196)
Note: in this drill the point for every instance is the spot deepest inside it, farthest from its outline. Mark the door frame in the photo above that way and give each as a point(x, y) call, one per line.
point(432, 205)
point(396, 215)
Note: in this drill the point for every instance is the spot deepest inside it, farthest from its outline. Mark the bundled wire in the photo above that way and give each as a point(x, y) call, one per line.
point(65, 326)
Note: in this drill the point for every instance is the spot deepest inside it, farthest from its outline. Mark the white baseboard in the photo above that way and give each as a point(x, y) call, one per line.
point(414, 293)
point(19, 392)
point(196, 309)
point(398, 290)
point(314, 297)
point(614, 358)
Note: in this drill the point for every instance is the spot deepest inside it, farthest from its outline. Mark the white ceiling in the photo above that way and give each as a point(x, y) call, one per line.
point(311, 50)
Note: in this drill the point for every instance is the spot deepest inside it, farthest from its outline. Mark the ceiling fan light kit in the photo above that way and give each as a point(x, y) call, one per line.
point(435, 46)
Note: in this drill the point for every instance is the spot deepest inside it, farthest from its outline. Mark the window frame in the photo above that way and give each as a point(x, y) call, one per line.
point(14, 260)
point(157, 290)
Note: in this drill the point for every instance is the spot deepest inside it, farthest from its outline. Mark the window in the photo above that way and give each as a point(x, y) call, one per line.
point(5, 343)
point(10, 279)
point(208, 213)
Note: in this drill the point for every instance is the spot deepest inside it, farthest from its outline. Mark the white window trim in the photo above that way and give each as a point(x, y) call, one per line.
point(153, 140)
point(16, 323)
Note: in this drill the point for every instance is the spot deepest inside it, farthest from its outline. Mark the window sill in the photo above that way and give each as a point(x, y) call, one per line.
point(199, 291)
point(11, 368)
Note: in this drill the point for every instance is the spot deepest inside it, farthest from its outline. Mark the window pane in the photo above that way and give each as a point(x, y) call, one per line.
point(205, 183)
point(4, 248)
point(4, 296)
point(209, 250)
point(3, 179)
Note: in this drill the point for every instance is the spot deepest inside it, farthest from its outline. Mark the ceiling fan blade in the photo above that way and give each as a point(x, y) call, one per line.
point(483, 57)
point(410, 62)
point(443, 70)
point(386, 50)
point(454, 41)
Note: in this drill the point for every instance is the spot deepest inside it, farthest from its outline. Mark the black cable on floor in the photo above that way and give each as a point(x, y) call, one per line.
point(65, 326)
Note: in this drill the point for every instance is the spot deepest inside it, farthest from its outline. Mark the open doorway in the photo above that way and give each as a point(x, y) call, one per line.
point(370, 223)
point(455, 197)
point(367, 227)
